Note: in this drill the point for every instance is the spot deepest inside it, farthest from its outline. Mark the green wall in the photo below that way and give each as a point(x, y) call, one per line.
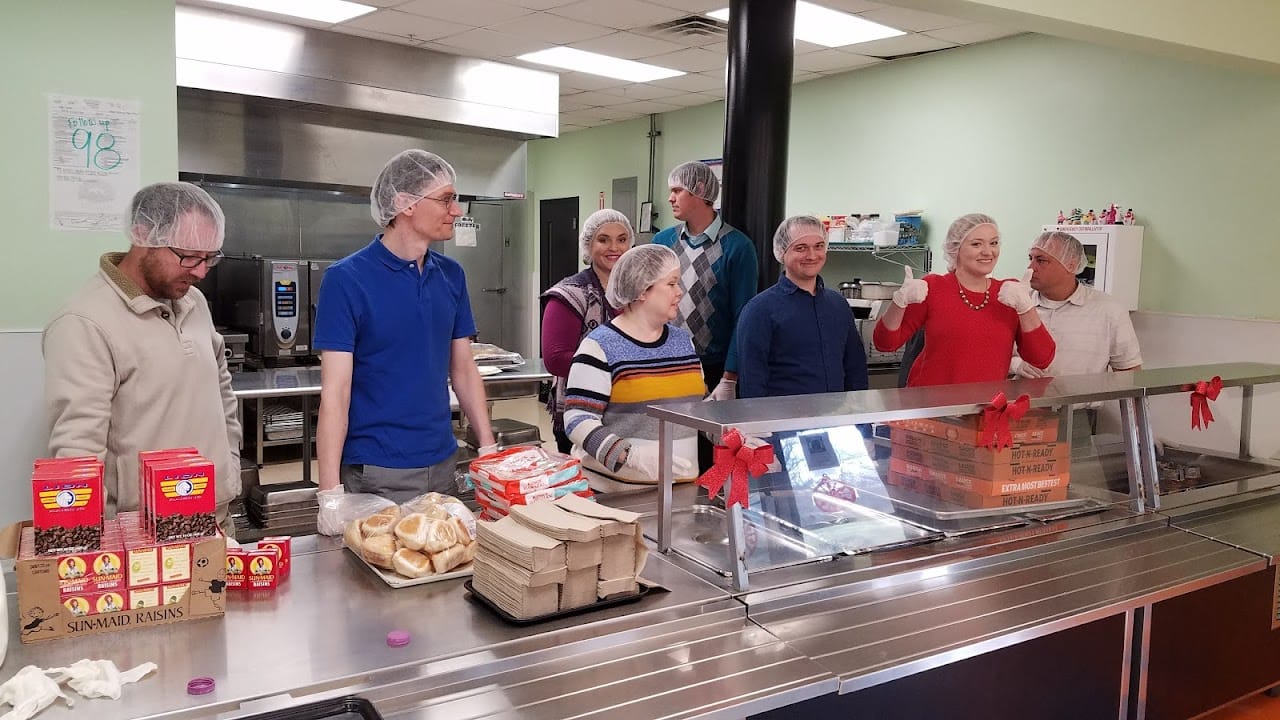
point(122, 49)
point(1018, 128)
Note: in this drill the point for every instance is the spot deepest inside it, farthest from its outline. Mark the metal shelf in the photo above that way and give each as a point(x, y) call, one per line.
point(851, 247)
point(917, 257)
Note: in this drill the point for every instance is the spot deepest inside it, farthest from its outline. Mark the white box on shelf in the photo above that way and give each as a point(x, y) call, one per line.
point(1115, 258)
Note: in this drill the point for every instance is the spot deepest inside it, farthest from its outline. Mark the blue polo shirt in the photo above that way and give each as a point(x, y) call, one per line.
point(398, 324)
point(789, 342)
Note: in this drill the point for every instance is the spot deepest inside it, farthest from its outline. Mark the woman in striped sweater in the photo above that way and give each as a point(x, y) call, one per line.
point(635, 360)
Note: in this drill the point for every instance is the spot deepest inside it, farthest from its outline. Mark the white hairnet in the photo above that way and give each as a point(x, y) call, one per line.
point(790, 229)
point(697, 178)
point(637, 270)
point(1064, 247)
point(960, 230)
point(406, 179)
point(156, 210)
point(592, 225)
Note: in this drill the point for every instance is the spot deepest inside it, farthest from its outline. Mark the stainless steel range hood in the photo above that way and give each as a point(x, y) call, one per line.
point(228, 53)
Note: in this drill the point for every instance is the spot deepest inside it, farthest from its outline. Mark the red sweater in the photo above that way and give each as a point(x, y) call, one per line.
point(963, 345)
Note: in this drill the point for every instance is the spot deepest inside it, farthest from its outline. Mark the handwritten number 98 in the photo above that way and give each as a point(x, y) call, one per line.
point(98, 150)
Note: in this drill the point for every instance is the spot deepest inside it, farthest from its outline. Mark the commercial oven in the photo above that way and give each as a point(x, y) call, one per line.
point(273, 300)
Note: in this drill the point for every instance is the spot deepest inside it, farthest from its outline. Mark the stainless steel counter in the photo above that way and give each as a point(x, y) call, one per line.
point(1248, 522)
point(283, 382)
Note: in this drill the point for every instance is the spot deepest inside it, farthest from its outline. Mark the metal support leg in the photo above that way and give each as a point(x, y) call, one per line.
point(1138, 487)
point(737, 546)
point(306, 438)
point(1134, 682)
point(666, 456)
point(1246, 422)
point(1147, 452)
point(258, 422)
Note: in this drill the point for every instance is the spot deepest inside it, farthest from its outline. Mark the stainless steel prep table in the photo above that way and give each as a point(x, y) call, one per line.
point(689, 652)
point(304, 382)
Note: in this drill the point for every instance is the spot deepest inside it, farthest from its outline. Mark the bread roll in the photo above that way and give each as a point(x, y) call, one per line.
point(378, 550)
point(435, 512)
point(351, 537)
point(412, 530)
point(378, 525)
point(440, 536)
point(391, 511)
point(449, 559)
point(469, 553)
point(411, 563)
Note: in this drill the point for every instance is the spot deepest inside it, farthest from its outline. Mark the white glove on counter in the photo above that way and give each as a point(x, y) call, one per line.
point(726, 389)
point(912, 291)
point(328, 520)
point(29, 691)
point(1017, 295)
point(1023, 369)
point(99, 678)
point(487, 449)
point(643, 458)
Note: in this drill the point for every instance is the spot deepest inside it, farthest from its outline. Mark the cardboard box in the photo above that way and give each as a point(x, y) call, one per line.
point(1028, 452)
point(42, 615)
point(282, 545)
point(978, 485)
point(251, 569)
point(66, 504)
point(1001, 471)
point(182, 498)
point(973, 500)
point(1037, 426)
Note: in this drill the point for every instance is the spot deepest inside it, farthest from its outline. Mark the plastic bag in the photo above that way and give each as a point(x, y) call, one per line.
point(337, 508)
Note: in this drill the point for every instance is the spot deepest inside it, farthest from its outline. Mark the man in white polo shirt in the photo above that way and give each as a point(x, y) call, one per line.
point(1092, 330)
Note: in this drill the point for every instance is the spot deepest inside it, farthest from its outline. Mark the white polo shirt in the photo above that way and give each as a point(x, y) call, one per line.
point(1092, 330)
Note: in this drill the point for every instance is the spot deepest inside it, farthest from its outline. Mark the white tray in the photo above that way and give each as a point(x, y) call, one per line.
point(397, 580)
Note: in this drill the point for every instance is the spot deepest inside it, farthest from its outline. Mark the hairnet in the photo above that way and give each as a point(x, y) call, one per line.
point(1064, 247)
point(406, 179)
point(790, 229)
point(960, 230)
point(597, 220)
point(637, 270)
point(697, 178)
point(156, 210)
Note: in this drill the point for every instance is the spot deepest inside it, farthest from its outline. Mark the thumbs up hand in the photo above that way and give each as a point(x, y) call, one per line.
point(1017, 295)
point(912, 291)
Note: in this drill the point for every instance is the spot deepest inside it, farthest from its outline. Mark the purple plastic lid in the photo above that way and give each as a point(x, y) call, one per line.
point(397, 638)
point(200, 686)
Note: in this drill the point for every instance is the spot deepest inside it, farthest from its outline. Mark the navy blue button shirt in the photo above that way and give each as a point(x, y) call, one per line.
point(792, 343)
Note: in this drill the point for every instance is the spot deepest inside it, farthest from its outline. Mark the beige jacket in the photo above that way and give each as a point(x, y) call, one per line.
point(125, 372)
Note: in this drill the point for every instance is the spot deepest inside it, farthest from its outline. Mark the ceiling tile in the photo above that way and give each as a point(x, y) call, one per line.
point(539, 4)
point(620, 14)
point(642, 91)
point(826, 60)
point(902, 45)
point(596, 98)
point(394, 22)
point(972, 33)
point(647, 107)
point(693, 82)
point(551, 28)
point(797, 73)
point(479, 13)
point(627, 45)
point(599, 113)
point(382, 3)
point(567, 128)
point(909, 20)
point(569, 103)
point(689, 99)
point(693, 7)
point(585, 81)
point(801, 47)
point(690, 60)
point(374, 35)
point(489, 43)
point(849, 6)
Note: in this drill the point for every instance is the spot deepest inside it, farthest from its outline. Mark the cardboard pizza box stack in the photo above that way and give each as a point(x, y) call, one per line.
point(941, 458)
point(524, 475)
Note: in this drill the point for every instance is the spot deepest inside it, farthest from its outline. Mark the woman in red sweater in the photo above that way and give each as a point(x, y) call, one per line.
point(971, 321)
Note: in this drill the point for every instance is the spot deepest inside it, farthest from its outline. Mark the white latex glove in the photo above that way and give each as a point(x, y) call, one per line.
point(329, 516)
point(29, 691)
point(99, 678)
point(1017, 294)
point(912, 291)
point(487, 449)
point(726, 389)
point(1024, 369)
point(643, 458)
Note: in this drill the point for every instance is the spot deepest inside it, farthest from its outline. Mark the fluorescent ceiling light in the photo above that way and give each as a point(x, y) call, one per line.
point(830, 28)
point(330, 11)
point(597, 64)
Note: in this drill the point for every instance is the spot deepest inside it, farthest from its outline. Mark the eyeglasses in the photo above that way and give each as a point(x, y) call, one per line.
point(191, 262)
point(447, 201)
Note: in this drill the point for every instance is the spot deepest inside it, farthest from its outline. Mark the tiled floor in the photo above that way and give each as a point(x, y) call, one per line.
point(1254, 707)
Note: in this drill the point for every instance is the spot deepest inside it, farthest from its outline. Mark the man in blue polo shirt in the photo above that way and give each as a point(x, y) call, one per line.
point(798, 337)
point(394, 327)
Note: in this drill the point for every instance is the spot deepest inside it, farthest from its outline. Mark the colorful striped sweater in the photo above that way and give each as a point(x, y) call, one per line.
point(614, 377)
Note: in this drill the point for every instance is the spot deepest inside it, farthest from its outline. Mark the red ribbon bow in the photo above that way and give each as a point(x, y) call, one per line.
point(735, 461)
point(1203, 392)
point(996, 418)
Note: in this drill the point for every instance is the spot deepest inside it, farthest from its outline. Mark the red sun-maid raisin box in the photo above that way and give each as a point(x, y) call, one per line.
point(67, 504)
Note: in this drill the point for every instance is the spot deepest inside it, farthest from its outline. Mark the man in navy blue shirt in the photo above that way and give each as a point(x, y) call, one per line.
point(394, 328)
point(798, 337)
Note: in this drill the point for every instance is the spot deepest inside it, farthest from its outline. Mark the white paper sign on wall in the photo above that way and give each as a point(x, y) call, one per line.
point(94, 148)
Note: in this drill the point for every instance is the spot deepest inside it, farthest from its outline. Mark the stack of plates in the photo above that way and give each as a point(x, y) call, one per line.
point(284, 508)
point(488, 354)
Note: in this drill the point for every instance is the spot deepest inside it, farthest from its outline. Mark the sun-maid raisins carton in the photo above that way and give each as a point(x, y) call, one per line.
point(185, 581)
point(66, 504)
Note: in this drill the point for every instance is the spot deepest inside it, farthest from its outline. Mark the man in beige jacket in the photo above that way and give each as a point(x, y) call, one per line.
point(132, 361)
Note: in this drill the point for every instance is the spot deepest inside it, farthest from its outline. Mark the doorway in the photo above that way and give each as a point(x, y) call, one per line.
point(558, 250)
